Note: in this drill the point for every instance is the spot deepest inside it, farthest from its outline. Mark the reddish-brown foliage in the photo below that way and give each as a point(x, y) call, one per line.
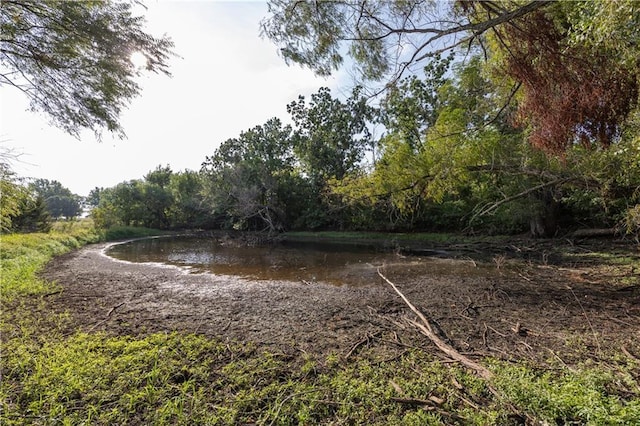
point(571, 94)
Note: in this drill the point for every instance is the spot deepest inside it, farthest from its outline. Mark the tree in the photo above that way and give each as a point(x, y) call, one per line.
point(331, 136)
point(249, 178)
point(93, 199)
point(383, 38)
point(467, 155)
point(12, 195)
point(122, 205)
point(571, 92)
point(411, 107)
point(72, 59)
point(160, 176)
point(612, 26)
point(575, 84)
point(33, 215)
point(188, 209)
point(60, 201)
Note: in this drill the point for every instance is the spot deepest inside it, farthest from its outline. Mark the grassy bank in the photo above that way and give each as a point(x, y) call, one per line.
point(395, 237)
point(49, 377)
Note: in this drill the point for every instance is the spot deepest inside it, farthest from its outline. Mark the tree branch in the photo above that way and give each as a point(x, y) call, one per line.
point(493, 206)
point(425, 327)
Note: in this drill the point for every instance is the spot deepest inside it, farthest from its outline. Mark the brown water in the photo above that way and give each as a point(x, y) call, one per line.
point(300, 261)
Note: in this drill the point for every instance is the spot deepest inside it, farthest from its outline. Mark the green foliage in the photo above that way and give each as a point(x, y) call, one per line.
point(163, 200)
point(330, 140)
point(631, 221)
point(251, 180)
point(435, 169)
point(331, 136)
point(188, 208)
point(12, 197)
point(383, 39)
point(33, 217)
point(608, 185)
point(72, 59)
point(580, 397)
point(609, 25)
point(273, 177)
point(21, 209)
point(59, 200)
point(411, 106)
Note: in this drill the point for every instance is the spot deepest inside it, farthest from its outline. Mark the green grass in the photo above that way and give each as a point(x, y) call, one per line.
point(126, 232)
point(424, 237)
point(53, 376)
point(593, 394)
point(22, 256)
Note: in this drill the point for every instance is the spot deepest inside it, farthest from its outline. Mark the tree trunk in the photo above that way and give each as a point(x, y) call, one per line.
point(544, 222)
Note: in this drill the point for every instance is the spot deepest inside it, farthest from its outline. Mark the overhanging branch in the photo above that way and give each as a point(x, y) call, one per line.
point(488, 208)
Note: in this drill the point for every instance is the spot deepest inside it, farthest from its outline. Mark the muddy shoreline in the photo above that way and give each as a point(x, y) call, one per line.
point(505, 309)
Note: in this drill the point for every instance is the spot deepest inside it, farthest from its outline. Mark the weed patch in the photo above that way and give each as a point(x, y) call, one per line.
point(23, 255)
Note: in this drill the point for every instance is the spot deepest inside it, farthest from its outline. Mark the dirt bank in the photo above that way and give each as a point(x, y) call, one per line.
point(504, 308)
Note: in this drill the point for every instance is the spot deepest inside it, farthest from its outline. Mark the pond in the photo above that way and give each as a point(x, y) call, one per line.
point(308, 262)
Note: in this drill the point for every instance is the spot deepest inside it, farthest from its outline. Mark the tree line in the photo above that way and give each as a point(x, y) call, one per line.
point(32, 205)
point(449, 159)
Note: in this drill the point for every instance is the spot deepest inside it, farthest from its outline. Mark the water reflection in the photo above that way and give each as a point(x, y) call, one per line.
point(308, 262)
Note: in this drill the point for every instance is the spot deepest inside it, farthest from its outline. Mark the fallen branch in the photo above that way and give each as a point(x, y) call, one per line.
point(594, 233)
point(367, 338)
point(629, 354)
point(111, 311)
point(425, 327)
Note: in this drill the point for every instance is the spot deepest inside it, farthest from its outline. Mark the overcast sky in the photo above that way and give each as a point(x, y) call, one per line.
point(226, 80)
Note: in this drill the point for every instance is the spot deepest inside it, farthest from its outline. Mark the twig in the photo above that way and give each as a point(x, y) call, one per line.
point(620, 321)
point(429, 406)
point(111, 311)
point(468, 402)
point(417, 401)
point(523, 277)
point(281, 404)
point(593, 330)
point(357, 345)
point(629, 354)
point(555, 355)
point(484, 335)
point(497, 332)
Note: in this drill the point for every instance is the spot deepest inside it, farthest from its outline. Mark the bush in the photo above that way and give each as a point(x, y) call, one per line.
point(631, 221)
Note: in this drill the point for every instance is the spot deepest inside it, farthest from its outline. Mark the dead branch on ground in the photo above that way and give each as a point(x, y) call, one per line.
point(111, 311)
point(425, 327)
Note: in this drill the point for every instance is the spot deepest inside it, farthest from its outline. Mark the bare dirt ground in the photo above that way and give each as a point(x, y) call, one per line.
point(507, 308)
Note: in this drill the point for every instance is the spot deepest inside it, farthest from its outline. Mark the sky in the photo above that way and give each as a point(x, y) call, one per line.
point(226, 79)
